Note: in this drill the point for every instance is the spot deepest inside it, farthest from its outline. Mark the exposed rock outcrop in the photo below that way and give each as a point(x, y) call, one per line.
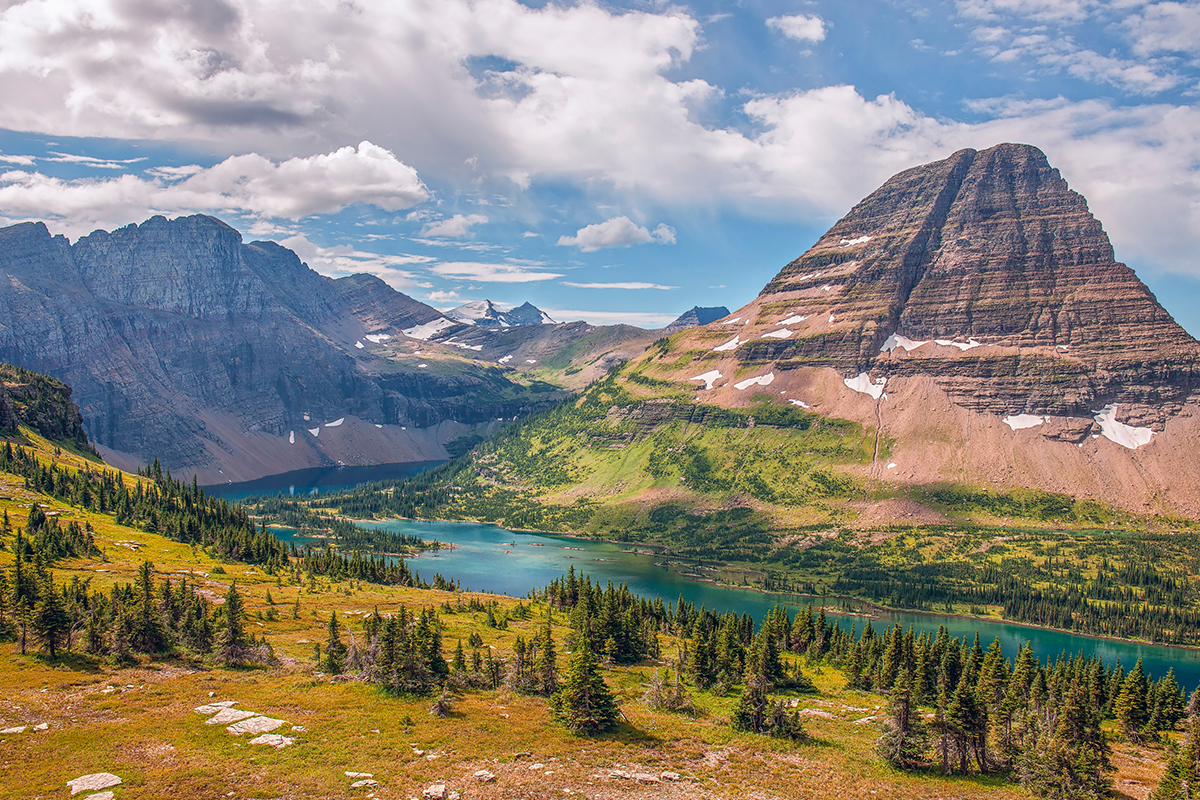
point(697, 315)
point(1002, 284)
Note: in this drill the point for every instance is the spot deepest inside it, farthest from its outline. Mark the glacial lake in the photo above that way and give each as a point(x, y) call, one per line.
point(492, 559)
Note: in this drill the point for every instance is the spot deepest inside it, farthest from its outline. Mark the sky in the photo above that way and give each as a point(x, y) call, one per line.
point(614, 162)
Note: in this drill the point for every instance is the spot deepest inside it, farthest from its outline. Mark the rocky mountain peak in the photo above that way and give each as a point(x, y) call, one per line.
point(697, 315)
point(989, 247)
point(486, 314)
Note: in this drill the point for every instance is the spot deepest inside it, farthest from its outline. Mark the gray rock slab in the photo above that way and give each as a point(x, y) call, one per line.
point(363, 784)
point(276, 740)
point(18, 729)
point(213, 708)
point(255, 725)
point(227, 716)
point(101, 796)
point(436, 791)
point(93, 782)
point(358, 775)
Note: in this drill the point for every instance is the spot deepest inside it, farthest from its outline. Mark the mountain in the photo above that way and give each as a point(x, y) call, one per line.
point(964, 331)
point(695, 317)
point(486, 314)
point(230, 360)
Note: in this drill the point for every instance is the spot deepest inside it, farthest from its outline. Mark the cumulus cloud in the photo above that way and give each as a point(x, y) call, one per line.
point(491, 273)
point(442, 297)
point(244, 78)
point(617, 232)
point(454, 227)
point(247, 184)
point(619, 285)
point(802, 27)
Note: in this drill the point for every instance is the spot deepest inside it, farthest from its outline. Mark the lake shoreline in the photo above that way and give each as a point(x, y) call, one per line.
point(867, 603)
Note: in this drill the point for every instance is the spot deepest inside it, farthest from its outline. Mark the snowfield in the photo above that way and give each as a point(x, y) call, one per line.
point(709, 378)
point(896, 340)
point(761, 380)
point(1119, 432)
point(862, 384)
point(1021, 421)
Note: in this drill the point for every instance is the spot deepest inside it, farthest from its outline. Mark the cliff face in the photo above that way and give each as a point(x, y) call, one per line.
point(989, 247)
point(42, 403)
point(185, 344)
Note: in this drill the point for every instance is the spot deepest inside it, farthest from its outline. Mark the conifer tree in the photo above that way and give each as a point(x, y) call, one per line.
point(545, 667)
point(233, 648)
point(334, 660)
point(1130, 706)
point(459, 665)
point(1181, 781)
point(50, 620)
point(584, 703)
point(904, 742)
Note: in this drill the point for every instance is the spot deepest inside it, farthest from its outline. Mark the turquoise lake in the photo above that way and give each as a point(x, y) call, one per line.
point(487, 558)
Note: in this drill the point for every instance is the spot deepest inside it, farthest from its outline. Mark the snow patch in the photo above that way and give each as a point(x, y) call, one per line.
point(862, 383)
point(506, 359)
point(831, 317)
point(377, 425)
point(377, 338)
point(761, 380)
point(1021, 421)
point(896, 340)
point(855, 240)
point(826, 288)
point(1119, 432)
point(733, 321)
point(800, 403)
point(306, 417)
point(792, 320)
point(335, 423)
point(463, 345)
point(730, 345)
point(292, 437)
point(709, 378)
point(422, 366)
point(423, 332)
point(531, 361)
point(892, 465)
point(1064, 347)
point(315, 431)
point(970, 343)
point(359, 345)
point(780, 334)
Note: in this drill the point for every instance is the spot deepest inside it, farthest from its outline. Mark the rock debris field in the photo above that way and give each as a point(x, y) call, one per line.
point(238, 722)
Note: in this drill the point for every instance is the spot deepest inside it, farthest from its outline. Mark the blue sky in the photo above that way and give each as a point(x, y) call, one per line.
point(611, 162)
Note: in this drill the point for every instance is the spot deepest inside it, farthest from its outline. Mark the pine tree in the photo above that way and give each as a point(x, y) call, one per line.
point(545, 667)
point(904, 742)
point(584, 703)
point(1181, 781)
point(233, 648)
point(334, 660)
point(50, 621)
point(1130, 706)
point(459, 665)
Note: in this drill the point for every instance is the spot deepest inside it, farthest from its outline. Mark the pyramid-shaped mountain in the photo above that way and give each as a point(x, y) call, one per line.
point(1000, 270)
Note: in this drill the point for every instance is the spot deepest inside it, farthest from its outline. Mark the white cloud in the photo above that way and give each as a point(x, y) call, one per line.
point(91, 161)
point(802, 27)
point(1040, 10)
point(21, 161)
point(248, 184)
point(442, 297)
point(341, 260)
point(454, 227)
point(1165, 28)
point(627, 285)
point(641, 319)
point(616, 232)
point(491, 273)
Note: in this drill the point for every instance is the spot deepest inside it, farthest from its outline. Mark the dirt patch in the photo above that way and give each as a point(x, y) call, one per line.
point(895, 511)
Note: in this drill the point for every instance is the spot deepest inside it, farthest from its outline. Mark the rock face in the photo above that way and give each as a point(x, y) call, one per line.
point(987, 248)
point(42, 403)
point(698, 315)
point(185, 344)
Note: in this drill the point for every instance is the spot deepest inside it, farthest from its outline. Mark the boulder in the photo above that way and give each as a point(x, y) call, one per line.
point(435, 791)
point(276, 740)
point(483, 776)
point(227, 716)
point(93, 782)
point(255, 725)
